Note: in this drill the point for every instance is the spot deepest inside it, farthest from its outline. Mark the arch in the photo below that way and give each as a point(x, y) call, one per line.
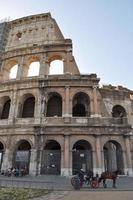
point(21, 158)
point(6, 103)
point(56, 67)
point(1, 153)
point(10, 69)
point(80, 105)
point(33, 69)
point(51, 158)
point(13, 71)
point(54, 105)
point(118, 111)
point(82, 156)
point(28, 106)
point(113, 156)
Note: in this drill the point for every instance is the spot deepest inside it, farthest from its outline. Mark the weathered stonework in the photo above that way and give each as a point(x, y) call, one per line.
point(55, 124)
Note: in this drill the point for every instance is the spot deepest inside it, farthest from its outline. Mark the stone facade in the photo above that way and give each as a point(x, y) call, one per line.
point(58, 123)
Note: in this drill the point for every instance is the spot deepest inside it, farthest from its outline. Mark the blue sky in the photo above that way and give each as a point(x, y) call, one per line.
point(101, 31)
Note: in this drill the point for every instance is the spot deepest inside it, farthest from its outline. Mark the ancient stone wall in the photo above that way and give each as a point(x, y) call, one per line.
point(49, 121)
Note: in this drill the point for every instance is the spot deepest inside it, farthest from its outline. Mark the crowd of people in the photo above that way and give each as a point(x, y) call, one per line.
point(14, 171)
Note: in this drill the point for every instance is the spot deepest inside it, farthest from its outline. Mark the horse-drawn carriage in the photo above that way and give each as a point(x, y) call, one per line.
point(81, 178)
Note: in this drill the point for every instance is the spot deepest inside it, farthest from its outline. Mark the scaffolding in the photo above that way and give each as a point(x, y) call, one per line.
point(4, 30)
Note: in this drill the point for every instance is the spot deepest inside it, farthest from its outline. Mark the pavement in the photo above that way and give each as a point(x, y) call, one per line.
point(61, 188)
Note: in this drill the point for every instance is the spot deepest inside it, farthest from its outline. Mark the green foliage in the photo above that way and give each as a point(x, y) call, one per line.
point(21, 194)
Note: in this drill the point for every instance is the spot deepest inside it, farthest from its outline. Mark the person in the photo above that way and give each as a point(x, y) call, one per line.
point(81, 174)
point(89, 177)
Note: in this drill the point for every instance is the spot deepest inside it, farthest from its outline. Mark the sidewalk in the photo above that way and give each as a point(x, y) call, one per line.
point(88, 195)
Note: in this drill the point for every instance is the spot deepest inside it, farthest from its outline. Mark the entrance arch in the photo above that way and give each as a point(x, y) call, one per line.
point(113, 157)
point(1, 153)
point(82, 156)
point(22, 156)
point(51, 158)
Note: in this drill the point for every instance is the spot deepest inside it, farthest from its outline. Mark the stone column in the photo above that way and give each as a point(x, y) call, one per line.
point(125, 162)
point(102, 160)
point(95, 103)
point(128, 155)
point(98, 155)
point(21, 67)
point(70, 161)
point(7, 160)
point(37, 110)
point(67, 88)
point(44, 66)
point(33, 162)
point(13, 106)
point(65, 169)
point(94, 162)
point(67, 63)
point(70, 107)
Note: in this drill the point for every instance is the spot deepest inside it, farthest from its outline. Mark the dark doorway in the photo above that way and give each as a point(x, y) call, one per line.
point(82, 156)
point(51, 158)
point(113, 157)
point(1, 154)
point(22, 156)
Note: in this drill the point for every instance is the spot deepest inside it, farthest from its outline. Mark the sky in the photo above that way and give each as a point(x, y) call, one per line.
point(101, 31)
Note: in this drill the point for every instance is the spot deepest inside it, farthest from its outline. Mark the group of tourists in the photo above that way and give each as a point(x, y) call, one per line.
point(14, 171)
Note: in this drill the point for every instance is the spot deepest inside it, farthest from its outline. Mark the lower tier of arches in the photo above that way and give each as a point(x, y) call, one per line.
point(64, 155)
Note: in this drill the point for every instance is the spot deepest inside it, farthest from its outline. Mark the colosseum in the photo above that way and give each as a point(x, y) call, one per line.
point(58, 122)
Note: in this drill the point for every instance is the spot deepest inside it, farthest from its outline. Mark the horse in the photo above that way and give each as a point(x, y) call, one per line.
point(109, 175)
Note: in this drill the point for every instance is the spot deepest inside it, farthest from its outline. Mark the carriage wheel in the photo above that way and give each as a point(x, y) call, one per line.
point(94, 184)
point(75, 181)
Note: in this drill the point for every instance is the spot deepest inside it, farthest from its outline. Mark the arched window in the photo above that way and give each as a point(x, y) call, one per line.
point(81, 107)
point(13, 72)
point(118, 111)
point(34, 68)
point(56, 67)
point(28, 107)
point(54, 106)
point(6, 109)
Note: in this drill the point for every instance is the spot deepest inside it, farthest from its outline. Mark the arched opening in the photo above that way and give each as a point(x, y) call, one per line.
point(56, 67)
point(51, 158)
point(1, 153)
point(22, 156)
point(54, 105)
point(34, 69)
point(81, 105)
point(6, 109)
point(82, 156)
point(113, 156)
point(13, 72)
point(28, 107)
point(118, 111)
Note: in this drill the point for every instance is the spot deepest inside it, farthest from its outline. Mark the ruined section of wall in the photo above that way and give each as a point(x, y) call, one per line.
point(34, 30)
